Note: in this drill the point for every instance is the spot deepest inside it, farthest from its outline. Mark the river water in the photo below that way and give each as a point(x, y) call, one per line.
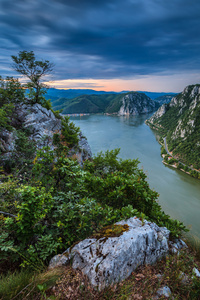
point(179, 193)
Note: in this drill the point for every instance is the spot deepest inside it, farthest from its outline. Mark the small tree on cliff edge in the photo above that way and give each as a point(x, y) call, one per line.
point(26, 64)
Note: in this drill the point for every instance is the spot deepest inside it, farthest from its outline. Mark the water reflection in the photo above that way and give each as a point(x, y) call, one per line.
point(134, 120)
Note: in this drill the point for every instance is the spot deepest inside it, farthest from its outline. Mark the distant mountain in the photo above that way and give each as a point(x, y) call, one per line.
point(129, 103)
point(73, 93)
point(156, 95)
point(179, 121)
point(165, 98)
point(136, 103)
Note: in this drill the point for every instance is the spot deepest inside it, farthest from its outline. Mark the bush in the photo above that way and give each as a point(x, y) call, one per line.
point(65, 203)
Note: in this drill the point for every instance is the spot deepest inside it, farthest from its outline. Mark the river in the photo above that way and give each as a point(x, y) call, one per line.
point(179, 193)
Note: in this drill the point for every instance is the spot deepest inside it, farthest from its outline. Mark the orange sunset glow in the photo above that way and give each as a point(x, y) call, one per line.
point(174, 82)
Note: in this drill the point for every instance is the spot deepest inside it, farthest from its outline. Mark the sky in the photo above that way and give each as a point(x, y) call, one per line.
point(112, 45)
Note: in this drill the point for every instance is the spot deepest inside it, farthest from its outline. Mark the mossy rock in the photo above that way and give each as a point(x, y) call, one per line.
point(111, 231)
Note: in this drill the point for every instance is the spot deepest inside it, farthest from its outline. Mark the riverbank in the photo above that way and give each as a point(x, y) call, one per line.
point(170, 160)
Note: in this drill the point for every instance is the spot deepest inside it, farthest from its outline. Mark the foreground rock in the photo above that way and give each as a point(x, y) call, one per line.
point(164, 291)
point(108, 260)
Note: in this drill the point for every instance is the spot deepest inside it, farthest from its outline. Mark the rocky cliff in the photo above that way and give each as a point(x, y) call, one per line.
point(136, 104)
point(179, 121)
point(41, 125)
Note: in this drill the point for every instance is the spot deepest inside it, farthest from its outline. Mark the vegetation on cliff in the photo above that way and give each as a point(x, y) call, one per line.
point(180, 124)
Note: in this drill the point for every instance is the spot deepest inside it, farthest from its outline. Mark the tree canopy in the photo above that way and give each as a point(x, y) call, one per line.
point(27, 65)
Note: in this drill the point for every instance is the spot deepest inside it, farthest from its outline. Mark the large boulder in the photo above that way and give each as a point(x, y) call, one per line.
point(107, 260)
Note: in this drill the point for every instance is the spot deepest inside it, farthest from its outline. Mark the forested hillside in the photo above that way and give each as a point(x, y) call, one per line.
point(179, 121)
point(105, 103)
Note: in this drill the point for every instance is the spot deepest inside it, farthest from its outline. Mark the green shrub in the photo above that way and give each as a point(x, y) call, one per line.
point(5, 113)
point(65, 203)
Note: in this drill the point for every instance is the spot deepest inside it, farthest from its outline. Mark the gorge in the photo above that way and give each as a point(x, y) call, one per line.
point(179, 193)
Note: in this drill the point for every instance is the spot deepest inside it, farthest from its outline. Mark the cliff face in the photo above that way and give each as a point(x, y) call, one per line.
point(179, 121)
point(137, 103)
point(41, 124)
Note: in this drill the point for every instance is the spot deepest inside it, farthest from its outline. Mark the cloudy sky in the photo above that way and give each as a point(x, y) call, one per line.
point(116, 45)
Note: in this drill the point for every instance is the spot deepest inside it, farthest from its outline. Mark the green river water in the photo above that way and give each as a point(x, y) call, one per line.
point(179, 193)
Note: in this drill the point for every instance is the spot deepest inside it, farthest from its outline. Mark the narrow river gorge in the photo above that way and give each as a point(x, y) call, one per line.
point(179, 193)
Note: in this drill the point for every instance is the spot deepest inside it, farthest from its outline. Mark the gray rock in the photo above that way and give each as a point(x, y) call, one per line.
point(177, 245)
point(58, 261)
point(40, 121)
point(158, 114)
point(164, 291)
point(184, 278)
point(135, 104)
point(159, 277)
point(110, 260)
point(7, 140)
point(196, 272)
point(84, 147)
point(42, 124)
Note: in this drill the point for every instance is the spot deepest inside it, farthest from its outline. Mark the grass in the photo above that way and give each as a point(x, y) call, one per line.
point(66, 283)
point(12, 283)
point(27, 284)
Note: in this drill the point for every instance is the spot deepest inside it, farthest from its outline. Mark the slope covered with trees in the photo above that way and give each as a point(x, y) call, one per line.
point(105, 103)
point(179, 122)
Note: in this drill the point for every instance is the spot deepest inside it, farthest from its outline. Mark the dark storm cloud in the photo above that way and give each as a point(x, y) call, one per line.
point(104, 38)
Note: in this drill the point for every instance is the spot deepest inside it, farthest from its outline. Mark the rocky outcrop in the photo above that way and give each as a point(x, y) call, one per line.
point(136, 104)
point(7, 140)
point(41, 124)
point(108, 260)
point(40, 121)
point(179, 122)
point(165, 98)
point(158, 114)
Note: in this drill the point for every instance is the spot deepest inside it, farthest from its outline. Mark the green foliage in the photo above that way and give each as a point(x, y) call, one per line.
point(64, 203)
point(26, 228)
point(69, 136)
point(178, 118)
point(11, 91)
point(26, 64)
point(33, 206)
point(6, 112)
point(163, 151)
point(171, 161)
point(13, 283)
point(20, 162)
point(105, 103)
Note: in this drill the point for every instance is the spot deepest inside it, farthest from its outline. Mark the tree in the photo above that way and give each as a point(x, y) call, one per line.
point(26, 64)
point(11, 91)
